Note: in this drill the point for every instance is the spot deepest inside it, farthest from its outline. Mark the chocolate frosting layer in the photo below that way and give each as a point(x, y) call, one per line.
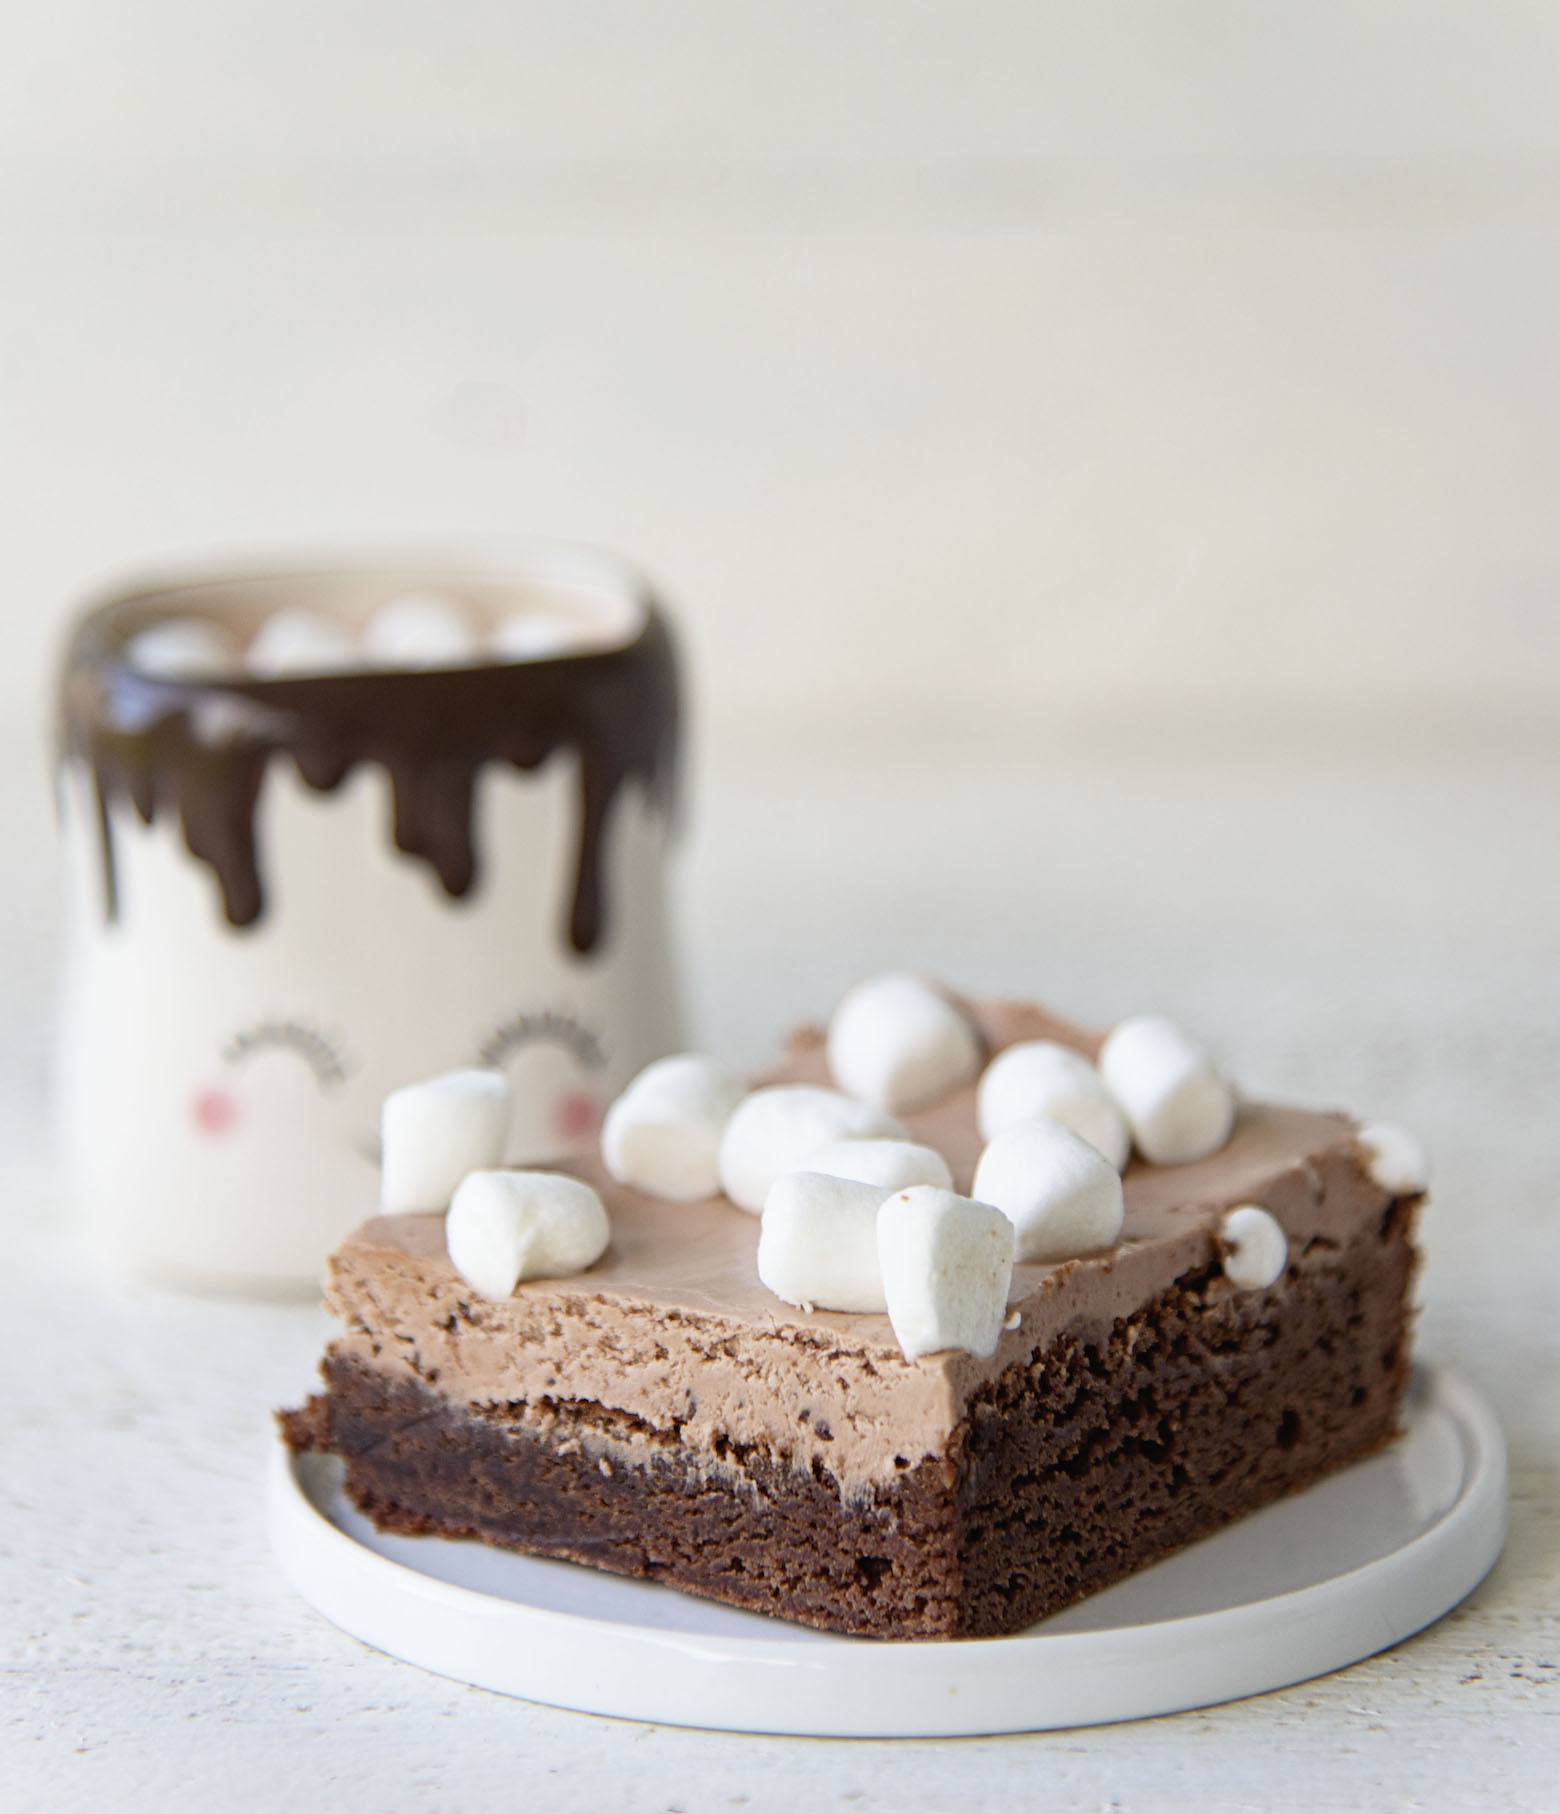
point(200, 748)
point(673, 1330)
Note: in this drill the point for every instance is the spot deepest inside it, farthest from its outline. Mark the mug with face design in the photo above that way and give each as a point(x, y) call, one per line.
point(332, 829)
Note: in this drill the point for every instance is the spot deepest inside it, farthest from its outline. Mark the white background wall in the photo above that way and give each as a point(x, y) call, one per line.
point(1127, 369)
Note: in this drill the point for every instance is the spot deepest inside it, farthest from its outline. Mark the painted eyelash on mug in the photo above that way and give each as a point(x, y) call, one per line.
point(312, 1046)
point(550, 1026)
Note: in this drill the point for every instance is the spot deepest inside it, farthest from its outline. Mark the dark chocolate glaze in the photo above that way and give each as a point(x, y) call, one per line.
point(201, 749)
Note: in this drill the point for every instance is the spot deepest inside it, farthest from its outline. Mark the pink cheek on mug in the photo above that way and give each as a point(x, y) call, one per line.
point(577, 1116)
point(214, 1111)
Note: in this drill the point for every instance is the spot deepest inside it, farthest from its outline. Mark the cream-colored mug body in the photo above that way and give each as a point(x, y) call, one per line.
point(218, 1085)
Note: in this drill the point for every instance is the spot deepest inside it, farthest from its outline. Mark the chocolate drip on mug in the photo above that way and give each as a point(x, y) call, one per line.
point(200, 749)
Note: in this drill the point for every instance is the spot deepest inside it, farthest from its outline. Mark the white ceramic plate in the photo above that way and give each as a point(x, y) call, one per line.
point(1320, 1580)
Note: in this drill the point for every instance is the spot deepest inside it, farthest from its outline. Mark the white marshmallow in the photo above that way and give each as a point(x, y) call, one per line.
point(818, 1243)
point(421, 630)
point(1040, 1077)
point(528, 637)
point(1176, 1104)
point(775, 1129)
point(1254, 1247)
point(1062, 1195)
point(889, 1164)
point(183, 648)
point(432, 1133)
point(662, 1135)
point(292, 642)
point(505, 1226)
point(896, 1042)
point(947, 1263)
point(1394, 1159)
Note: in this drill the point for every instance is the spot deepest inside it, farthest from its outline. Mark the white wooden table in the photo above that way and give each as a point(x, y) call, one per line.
point(1384, 937)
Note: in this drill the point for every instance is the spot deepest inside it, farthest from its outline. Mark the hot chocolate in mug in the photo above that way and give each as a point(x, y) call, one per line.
point(332, 829)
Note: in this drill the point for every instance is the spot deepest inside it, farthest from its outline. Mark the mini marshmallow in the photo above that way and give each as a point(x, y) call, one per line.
point(1176, 1104)
point(1040, 1077)
point(292, 642)
point(947, 1262)
point(1254, 1247)
point(1394, 1159)
point(896, 1042)
point(505, 1226)
point(818, 1243)
point(1062, 1195)
point(662, 1135)
point(431, 1134)
point(775, 1129)
point(421, 630)
point(889, 1164)
point(528, 637)
point(183, 648)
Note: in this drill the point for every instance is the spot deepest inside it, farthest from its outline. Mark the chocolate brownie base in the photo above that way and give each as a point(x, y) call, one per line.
point(1065, 1474)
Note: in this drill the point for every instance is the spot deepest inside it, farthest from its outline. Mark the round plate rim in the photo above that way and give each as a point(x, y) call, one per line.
point(1399, 1593)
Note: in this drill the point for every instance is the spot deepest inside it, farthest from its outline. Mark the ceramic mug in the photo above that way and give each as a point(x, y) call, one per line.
point(332, 828)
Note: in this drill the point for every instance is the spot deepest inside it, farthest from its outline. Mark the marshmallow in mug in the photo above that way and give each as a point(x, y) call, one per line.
point(431, 1134)
point(1061, 1194)
point(1041, 1077)
point(293, 642)
point(183, 648)
point(775, 1129)
point(896, 1042)
point(1176, 1104)
point(818, 1244)
point(505, 1226)
point(421, 630)
point(947, 1264)
point(662, 1135)
point(529, 637)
